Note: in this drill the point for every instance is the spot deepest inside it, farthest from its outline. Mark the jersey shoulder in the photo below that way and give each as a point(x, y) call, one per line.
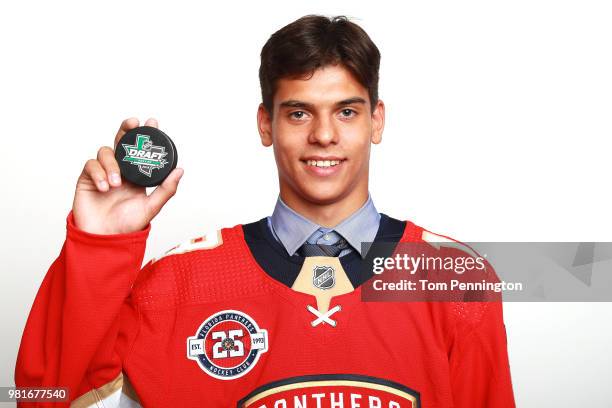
point(209, 240)
point(416, 234)
point(439, 241)
point(214, 266)
point(471, 309)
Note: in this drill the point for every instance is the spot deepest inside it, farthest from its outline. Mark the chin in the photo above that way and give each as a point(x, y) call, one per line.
point(324, 195)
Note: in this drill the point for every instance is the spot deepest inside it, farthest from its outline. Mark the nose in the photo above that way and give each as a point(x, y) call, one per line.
point(323, 132)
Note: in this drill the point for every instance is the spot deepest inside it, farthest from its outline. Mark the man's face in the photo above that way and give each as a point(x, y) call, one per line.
point(321, 130)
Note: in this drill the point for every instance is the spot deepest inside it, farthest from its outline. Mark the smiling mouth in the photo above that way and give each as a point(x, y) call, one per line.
point(323, 163)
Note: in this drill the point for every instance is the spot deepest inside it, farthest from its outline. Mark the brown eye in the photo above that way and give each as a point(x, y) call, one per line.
point(297, 115)
point(347, 113)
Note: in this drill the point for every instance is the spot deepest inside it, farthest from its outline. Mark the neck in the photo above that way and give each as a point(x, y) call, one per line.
point(326, 214)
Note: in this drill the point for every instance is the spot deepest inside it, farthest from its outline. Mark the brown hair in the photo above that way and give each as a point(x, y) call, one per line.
point(312, 42)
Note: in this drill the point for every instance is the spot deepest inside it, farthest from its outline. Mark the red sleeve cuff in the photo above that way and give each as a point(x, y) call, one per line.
point(75, 233)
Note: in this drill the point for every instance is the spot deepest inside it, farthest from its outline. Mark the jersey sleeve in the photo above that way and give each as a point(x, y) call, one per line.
point(479, 365)
point(82, 323)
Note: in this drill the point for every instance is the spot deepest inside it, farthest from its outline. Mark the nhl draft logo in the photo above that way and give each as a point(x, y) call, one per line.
point(323, 277)
point(145, 155)
point(227, 344)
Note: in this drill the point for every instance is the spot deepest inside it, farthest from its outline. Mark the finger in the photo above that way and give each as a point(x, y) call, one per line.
point(128, 124)
point(93, 169)
point(152, 122)
point(160, 196)
point(106, 157)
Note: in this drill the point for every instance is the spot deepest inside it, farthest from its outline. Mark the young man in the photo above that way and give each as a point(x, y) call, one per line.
point(266, 314)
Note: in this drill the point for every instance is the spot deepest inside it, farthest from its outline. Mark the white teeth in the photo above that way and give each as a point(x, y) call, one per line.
point(323, 163)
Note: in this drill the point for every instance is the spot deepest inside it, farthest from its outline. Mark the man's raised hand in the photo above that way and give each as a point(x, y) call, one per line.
point(104, 204)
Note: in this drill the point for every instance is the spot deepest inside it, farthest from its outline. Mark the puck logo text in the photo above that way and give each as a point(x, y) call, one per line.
point(227, 345)
point(145, 155)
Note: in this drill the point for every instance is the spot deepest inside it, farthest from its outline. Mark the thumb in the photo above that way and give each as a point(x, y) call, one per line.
point(160, 196)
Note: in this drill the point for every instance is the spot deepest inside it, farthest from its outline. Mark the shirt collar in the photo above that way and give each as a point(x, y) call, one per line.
point(293, 229)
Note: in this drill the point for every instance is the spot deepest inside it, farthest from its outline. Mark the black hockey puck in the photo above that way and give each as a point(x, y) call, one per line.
point(146, 156)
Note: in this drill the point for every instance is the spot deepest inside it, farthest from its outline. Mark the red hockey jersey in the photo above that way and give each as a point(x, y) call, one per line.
point(221, 321)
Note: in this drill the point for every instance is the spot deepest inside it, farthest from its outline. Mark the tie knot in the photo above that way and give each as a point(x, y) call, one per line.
point(322, 249)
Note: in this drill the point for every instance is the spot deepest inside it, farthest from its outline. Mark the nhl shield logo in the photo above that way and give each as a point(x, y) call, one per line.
point(323, 277)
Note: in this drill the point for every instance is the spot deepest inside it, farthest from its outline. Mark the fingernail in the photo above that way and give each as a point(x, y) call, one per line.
point(103, 184)
point(115, 178)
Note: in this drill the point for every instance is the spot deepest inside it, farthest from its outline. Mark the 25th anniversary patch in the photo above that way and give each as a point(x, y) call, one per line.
point(227, 344)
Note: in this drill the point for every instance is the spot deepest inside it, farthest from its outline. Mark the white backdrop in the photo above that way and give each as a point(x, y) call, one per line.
point(498, 129)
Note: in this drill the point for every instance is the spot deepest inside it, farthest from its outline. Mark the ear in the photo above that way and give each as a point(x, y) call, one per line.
point(264, 125)
point(378, 122)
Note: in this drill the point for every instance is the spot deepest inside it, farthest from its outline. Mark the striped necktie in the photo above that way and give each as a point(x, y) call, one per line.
point(322, 249)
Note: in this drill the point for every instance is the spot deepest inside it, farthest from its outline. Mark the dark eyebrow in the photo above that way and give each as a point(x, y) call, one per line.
point(351, 101)
point(292, 103)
